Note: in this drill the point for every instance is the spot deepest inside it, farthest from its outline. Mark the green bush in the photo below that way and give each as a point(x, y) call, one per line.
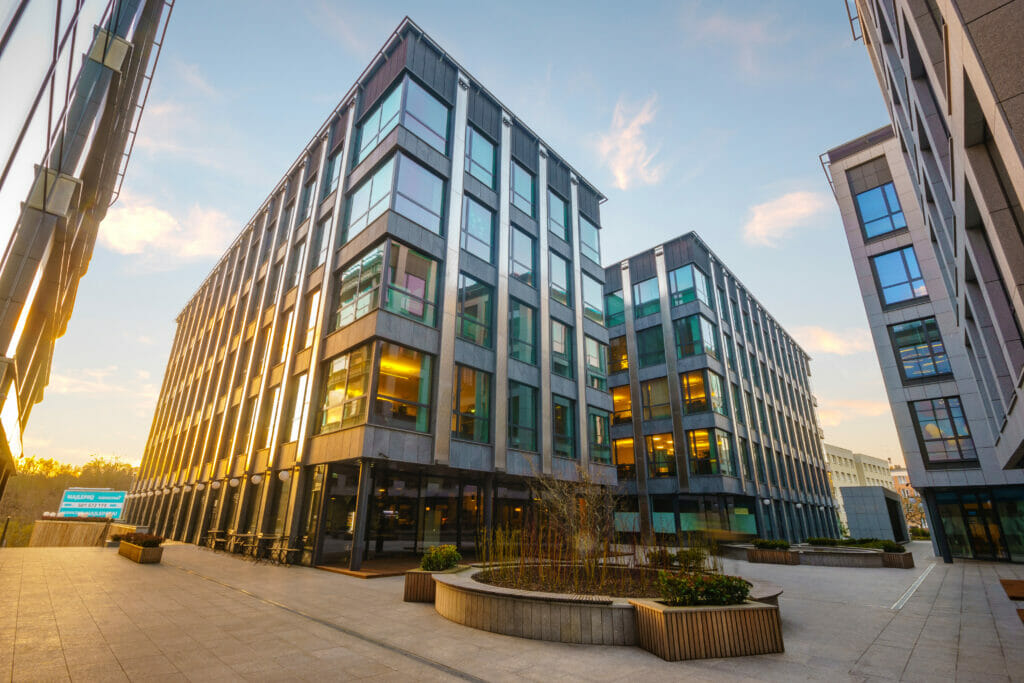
point(145, 540)
point(440, 558)
point(823, 541)
point(659, 557)
point(920, 533)
point(770, 544)
point(688, 589)
point(692, 559)
point(890, 547)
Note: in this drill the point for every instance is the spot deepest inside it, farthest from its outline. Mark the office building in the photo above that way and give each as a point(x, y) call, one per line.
point(409, 328)
point(71, 107)
point(713, 422)
point(846, 468)
point(932, 211)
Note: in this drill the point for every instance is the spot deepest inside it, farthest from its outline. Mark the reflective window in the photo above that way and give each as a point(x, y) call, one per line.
point(381, 120)
point(359, 288)
point(473, 311)
point(297, 405)
point(661, 455)
point(558, 216)
point(412, 284)
point(321, 243)
point(471, 405)
point(695, 335)
point(590, 240)
point(306, 201)
point(524, 257)
point(477, 229)
point(618, 357)
point(614, 308)
point(625, 459)
point(286, 335)
point(561, 349)
point(879, 211)
point(522, 332)
point(295, 265)
point(332, 173)
point(737, 404)
point(345, 390)
point(595, 355)
point(899, 276)
point(561, 290)
point(710, 451)
point(919, 349)
point(593, 299)
point(523, 190)
point(312, 310)
point(622, 403)
point(563, 426)
point(266, 424)
point(598, 436)
point(716, 391)
point(481, 157)
point(650, 346)
point(695, 393)
point(688, 284)
point(645, 298)
point(654, 398)
point(425, 116)
point(419, 195)
point(522, 417)
point(942, 430)
point(403, 388)
point(369, 200)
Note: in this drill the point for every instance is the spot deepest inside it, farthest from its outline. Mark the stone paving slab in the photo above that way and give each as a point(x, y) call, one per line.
point(87, 614)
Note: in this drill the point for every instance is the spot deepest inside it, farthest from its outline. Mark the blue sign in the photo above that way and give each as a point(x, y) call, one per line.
point(92, 503)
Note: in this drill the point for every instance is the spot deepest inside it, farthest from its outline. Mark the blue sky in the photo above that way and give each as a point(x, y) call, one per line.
point(705, 116)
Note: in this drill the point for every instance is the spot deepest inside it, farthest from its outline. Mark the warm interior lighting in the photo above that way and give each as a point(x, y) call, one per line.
point(399, 369)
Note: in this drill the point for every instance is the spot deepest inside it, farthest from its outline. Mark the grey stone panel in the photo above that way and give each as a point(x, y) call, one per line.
point(480, 192)
point(523, 373)
point(652, 372)
point(407, 332)
point(398, 445)
point(563, 468)
point(414, 235)
point(517, 216)
point(478, 269)
point(595, 271)
point(522, 463)
point(563, 387)
point(471, 456)
point(662, 426)
point(559, 246)
point(474, 356)
point(524, 292)
point(599, 399)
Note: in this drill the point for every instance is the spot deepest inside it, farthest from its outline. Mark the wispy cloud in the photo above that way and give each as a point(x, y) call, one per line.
point(340, 22)
point(86, 381)
point(748, 38)
point(833, 412)
point(193, 77)
point(625, 148)
point(776, 219)
point(820, 340)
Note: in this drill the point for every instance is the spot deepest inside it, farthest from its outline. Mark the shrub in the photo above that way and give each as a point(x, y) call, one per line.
point(440, 558)
point(118, 537)
point(890, 547)
point(659, 557)
point(687, 589)
point(823, 541)
point(692, 559)
point(771, 544)
point(145, 540)
point(920, 533)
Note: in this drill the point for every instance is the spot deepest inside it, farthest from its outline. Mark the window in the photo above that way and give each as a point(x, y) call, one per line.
point(710, 451)
point(412, 284)
point(403, 389)
point(266, 423)
point(661, 456)
point(598, 436)
point(381, 120)
point(345, 391)
point(295, 265)
point(942, 431)
point(473, 311)
point(522, 189)
point(471, 405)
point(654, 399)
point(306, 201)
point(723, 304)
point(622, 405)
point(419, 195)
point(477, 229)
point(563, 420)
point(625, 458)
point(645, 298)
point(561, 349)
point(321, 244)
point(286, 335)
point(919, 349)
point(558, 216)
point(650, 346)
point(687, 284)
point(522, 332)
point(618, 357)
point(312, 309)
point(898, 276)
point(737, 403)
point(596, 354)
point(561, 291)
point(614, 308)
point(730, 352)
point(695, 335)
point(370, 199)
point(481, 155)
point(695, 393)
point(524, 257)
point(716, 391)
point(879, 211)
point(593, 299)
point(424, 116)
point(298, 406)
point(522, 417)
point(332, 173)
point(359, 288)
point(590, 240)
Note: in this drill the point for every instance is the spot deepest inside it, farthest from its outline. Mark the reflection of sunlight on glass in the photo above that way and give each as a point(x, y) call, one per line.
point(932, 430)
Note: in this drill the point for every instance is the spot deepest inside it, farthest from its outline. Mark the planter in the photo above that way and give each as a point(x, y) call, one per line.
point(678, 633)
point(834, 557)
point(772, 556)
point(898, 560)
point(420, 586)
point(136, 553)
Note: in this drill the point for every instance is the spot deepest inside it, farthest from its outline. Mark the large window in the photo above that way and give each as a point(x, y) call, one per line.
point(522, 417)
point(412, 284)
point(687, 284)
point(919, 349)
point(381, 121)
point(650, 346)
point(359, 288)
point(645, 298)
point(622, 405)
point(298, 406)
point(306, 201)
point(523, 189)
point(590, 240)
point(942, 431)
point(473, 310)
point(593, 299)
point(298, 255)
point(716, 391)
point(471, 405)
point(625, 459)
point(563, 426)
point(332, 173)
point(561, 349)
point(899, 276)
point(477, 229)
point(370, 199)
point(710, 451)
point(695, 391)
point(558, 216)
point(403, 390)
point(618, 356)
point(522, 332)
point(879, 211)
point(524, 257)
point(654, 396)
point(561, 279)
point(345, 391)
point(695, 335)
point(661, 455)
point(312, 310)
point(481, 156)
point(598, 436)
point(320, 244)
point(422, 114)
point(419, 195)
point(614, 308)
point(596, 355)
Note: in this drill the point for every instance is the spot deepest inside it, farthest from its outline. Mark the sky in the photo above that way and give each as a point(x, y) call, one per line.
point(706, 116)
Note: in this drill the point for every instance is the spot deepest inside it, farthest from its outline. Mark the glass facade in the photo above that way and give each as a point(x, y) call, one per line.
point(412, 284)
point(522, 416)
point(522, 332)
point(622, 404)
point(524, 190)
point(618, 355)
point(523, 255)
point(661, 456)
point(563, 428)
point(595, 358)
point(593, 299)
point(710, 452)
point(558, 216)
point(899, 277)
point(695, 335)
point(561, 349)
point(614, 308)
point(590, 240)
point(919, 349)
point(688, 284)
point(417, 110)
point(645, 298)
point(473, 311)
point(561, 277)
point(599, 436)
point(879, 211)
point(625, 459)
point(481, 157)
point(359, 288)
point(346, 390)
point(650, 347)
point(404, 388)
point(943, 433)
point(471, 405)
point(654, 394)
point(477, 229)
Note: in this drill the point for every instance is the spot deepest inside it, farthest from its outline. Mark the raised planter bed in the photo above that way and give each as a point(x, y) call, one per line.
point(678, 633)
point(136, 553)
point(772, 556)
point(420, 586)
point(898, 560)
point(833, 557)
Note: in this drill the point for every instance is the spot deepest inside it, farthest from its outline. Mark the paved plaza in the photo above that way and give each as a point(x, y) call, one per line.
point(87, 614)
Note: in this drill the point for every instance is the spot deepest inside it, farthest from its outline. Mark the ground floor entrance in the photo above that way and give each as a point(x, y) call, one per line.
point(982, 523)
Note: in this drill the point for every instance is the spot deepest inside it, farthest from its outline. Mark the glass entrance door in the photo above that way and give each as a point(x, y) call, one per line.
point(983, 527)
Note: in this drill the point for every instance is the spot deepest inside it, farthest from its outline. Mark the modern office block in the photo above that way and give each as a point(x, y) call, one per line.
point(932, 211)
point(846, 468)
point(713, 422)
point(874, 512)
point(400, 338)
point(64, 156)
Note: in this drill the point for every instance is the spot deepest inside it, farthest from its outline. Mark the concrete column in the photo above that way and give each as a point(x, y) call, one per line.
point(939, 541)
point(636, 404)
point(362, 510)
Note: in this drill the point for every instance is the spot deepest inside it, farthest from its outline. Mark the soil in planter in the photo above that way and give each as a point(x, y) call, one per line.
point(620, 582)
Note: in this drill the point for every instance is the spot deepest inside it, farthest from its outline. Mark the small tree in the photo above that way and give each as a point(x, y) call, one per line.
point(913, 511)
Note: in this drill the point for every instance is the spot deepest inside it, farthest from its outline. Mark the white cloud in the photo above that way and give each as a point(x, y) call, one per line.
point(194, 78)
point(776, 219)
point(85, 381)
point(749, 39)
point(846, 342)
point(832, 413)
point(624, 148)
